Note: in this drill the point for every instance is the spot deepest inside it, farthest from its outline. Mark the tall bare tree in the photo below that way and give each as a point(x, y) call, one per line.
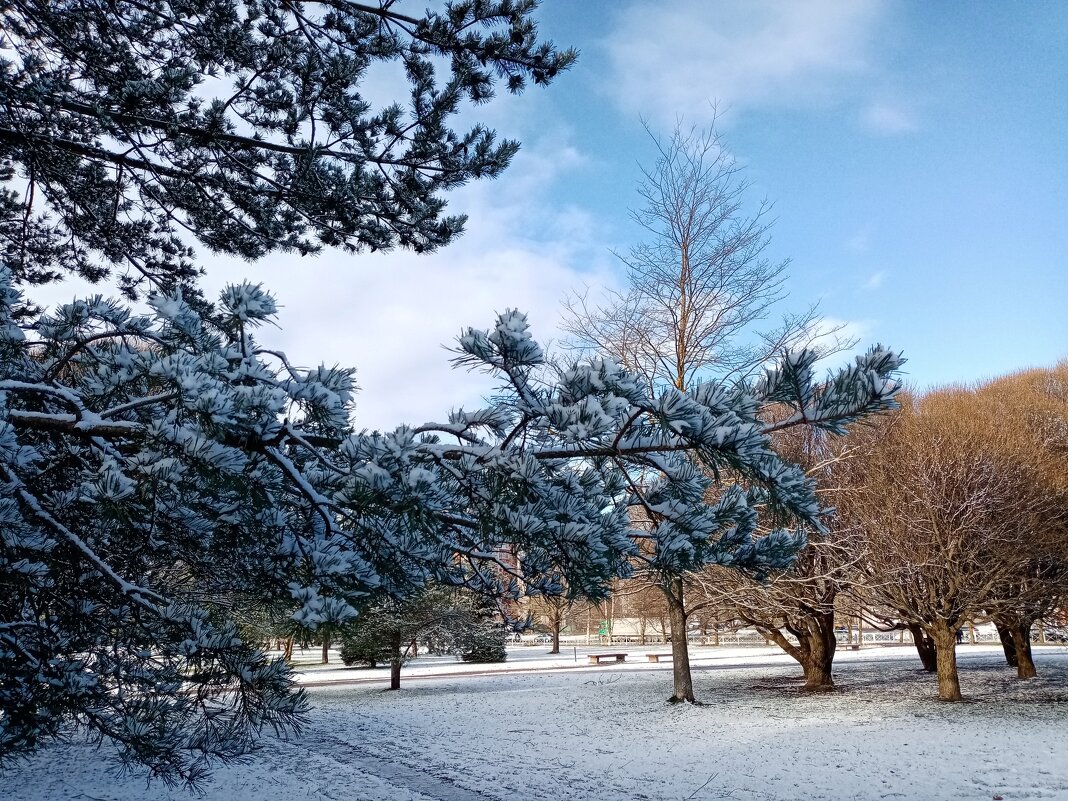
point(700, 292)
point(701, 288)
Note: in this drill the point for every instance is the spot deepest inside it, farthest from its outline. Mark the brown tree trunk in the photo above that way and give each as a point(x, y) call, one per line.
point(326, 649)
point(814, 650)
point(1021, 640)
point(1007, 644)
point(557, 625)
point(819, 653)
point(287, 649)
point(395, 661)
point(680, 653)
point(945, 641)
point(925, 647)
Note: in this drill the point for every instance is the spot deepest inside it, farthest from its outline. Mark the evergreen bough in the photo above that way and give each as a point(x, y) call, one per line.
point(133, 125)
point(156, 470)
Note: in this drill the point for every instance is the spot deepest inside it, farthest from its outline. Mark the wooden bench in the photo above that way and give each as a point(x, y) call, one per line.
point(657, 657)
point(595, 659)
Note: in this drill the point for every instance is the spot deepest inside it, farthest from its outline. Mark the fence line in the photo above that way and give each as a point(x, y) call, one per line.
point(746, 638)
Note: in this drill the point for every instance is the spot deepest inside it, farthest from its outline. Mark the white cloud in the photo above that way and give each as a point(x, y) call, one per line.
point(875, 280)
point(677, 58)
point(390, 315)
point(859, 242)
point(888, 118)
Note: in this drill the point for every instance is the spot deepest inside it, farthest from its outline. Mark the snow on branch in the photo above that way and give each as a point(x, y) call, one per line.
point(168, 457)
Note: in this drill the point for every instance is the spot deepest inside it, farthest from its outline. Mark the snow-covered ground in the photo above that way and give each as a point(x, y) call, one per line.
point(546, 729)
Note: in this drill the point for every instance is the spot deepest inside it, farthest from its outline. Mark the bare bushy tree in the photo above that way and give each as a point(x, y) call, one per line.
point(551, 611)
point(1032, 406)
point(643, 601)
point(954, 511)
point(701, 288)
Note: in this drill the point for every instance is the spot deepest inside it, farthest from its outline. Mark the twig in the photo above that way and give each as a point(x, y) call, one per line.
point(708, 781)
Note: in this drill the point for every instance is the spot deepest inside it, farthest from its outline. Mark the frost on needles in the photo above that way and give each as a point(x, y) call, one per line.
point(160, 473)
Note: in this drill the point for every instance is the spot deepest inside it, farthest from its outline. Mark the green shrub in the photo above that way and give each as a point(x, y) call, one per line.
point(366, 647)
point(483, 643)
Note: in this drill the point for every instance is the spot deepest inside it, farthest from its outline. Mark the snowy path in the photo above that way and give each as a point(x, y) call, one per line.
point(347, 756)
point(607, 735)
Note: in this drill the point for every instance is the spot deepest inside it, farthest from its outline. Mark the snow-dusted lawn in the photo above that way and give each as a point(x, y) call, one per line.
point(606, 733)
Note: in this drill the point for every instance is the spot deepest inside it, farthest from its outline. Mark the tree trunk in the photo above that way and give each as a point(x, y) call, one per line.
point(287, 649)
point(819, 653)
point(945, 641)
point(1015, 634)
point(814, 651)
point(326, 649)
point(1007, 644)
point(557, 625)
point(925, 647)
point(1021, 639)
point(395, 661)
point(680, 653)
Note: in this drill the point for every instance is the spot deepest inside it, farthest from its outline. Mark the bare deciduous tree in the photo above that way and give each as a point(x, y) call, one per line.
point(954, 511)
point(698, 297)
point(551, 611)
point(795, 608)
point(1032, 406)
point(700, 290)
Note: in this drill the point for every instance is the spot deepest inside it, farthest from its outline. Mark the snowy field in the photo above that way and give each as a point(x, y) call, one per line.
point(553, 729)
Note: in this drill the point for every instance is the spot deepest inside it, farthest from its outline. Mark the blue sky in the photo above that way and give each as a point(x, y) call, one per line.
point(916, 155)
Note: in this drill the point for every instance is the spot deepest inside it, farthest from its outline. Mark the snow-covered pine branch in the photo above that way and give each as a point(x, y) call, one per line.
point(159, 471)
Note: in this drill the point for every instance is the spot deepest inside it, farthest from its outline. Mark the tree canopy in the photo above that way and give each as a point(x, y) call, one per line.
point(129, 128)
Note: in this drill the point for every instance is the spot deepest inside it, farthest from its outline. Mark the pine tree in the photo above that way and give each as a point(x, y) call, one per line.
point(129, 127)
point(451, 621)
point(157, 468)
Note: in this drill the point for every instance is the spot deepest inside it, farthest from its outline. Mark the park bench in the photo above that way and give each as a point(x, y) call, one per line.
point(657, 657)
point(595, 659)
